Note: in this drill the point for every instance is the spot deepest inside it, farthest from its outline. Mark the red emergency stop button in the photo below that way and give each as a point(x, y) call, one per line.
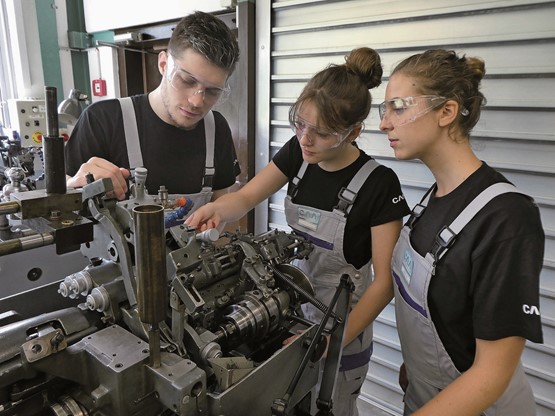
point(37, 137)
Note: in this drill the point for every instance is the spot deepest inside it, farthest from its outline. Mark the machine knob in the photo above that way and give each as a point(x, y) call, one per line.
point(98, 300)
point(208, 236)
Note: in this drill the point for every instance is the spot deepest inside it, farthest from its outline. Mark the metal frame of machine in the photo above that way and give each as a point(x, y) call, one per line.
point(162, 320)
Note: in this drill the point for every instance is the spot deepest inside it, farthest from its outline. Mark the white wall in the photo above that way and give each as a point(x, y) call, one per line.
point(25, 48)
point(103, 15)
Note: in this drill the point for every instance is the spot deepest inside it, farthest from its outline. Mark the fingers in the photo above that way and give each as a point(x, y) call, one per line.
point(293, 338)
point(290, 340)
point(212, 224)
point(191, 221)
point(101, 168)
point(328, 339)
point(203, 218)
point(125, 172)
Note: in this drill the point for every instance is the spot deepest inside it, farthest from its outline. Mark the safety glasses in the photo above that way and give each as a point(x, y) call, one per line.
point(188, 83)
point(400, 111)
point(315, 134)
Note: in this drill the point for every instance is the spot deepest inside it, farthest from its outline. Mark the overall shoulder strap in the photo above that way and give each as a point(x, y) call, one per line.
point(297, 179)
point(419, 208)
point(210, 136)
point(131, 133)
point(348, 194)
point(446, 237)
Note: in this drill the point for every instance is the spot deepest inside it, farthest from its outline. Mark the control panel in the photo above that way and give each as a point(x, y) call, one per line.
point(28, 119)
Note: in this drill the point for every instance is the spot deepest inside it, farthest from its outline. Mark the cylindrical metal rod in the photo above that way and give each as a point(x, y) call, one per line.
point(154, 346)
point(25, 243)
point(150, 258)
point(51, 101)
point(53, 147)
point(9, 207)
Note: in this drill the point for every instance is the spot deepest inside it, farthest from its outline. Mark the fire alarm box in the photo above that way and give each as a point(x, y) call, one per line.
point(99, 87)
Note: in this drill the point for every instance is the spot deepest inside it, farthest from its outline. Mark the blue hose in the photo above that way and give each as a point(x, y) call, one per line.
point(177, 216)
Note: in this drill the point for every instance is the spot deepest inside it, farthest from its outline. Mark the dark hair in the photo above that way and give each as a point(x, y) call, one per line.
point(340, 92)
point(207, 35)
point(442, 72)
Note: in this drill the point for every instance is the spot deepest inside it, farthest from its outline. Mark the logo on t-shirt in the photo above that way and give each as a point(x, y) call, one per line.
point(398, 199)
point(530, 309)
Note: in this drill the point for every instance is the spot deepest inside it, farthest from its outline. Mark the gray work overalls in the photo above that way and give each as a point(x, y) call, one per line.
point(136, 158)
point(325, 266)
point(429, 367)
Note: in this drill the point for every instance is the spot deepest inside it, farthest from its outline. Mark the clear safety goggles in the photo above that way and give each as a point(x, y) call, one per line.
point(183, 81)
point(314, 133)
point(400, 111)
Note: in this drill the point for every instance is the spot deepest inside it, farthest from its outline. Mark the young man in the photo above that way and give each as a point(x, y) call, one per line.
point(170, 131)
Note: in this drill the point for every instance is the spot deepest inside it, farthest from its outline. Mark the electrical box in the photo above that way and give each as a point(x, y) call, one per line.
point(28, 119)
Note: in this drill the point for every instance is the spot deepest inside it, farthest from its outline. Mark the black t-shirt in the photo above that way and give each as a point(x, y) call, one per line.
point(487, 285)
point(379, 201)
point(174, 157)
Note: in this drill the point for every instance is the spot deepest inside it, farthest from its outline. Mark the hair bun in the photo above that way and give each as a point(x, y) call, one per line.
point(477, 67)
point(367, 65)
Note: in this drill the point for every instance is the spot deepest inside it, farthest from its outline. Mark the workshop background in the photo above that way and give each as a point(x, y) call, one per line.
point(78, 44)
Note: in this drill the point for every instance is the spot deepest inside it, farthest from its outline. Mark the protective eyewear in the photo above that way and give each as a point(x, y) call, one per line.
point(183, 81)
point(406, 110)
point(314, 133)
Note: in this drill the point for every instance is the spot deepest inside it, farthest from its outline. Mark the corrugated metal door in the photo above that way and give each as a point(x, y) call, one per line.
point(516, 134)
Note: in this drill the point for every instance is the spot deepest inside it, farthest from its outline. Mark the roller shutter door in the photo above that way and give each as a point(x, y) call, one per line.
point(516, 134)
